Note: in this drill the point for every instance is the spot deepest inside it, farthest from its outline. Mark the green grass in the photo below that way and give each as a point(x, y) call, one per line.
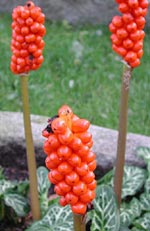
point(96, 75)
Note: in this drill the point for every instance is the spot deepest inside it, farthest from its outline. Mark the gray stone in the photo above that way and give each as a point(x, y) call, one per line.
point(12, 143)
point(74, 11)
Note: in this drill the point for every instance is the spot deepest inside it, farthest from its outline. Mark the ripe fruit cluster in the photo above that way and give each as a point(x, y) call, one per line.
point(70, 159)
point(27, 43)
point(127, 30)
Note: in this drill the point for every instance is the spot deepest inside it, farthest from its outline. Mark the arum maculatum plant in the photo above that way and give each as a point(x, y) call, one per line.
point(127, 40)
point(71, 162)
point(27, 45)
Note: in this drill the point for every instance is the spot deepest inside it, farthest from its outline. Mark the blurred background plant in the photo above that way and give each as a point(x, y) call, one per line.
point(80, 68)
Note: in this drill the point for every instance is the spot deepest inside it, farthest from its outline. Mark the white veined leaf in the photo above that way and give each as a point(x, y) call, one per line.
point(106, 213)
point(44, 204)
point(133, 180)
point(144, 153)
point(130, 211)
point(135, 207)
point(143, 223)
point(126, 217)
point(18, 203)
point(145, 201)
point(6, 185)
point(43, 182)
point(58, 218)
point(147, 185)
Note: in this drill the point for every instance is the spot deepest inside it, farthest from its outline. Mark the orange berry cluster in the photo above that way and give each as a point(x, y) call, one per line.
point(70, 160)
point(127, 30)
point(27, 43)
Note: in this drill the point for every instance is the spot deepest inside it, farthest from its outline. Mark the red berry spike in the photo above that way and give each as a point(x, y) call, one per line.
point(70, 159)
point(27, 25)
point(127, 30)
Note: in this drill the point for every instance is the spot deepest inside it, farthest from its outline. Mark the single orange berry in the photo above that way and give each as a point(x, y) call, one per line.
point(112, 28)
point(131, 27)
point(80, 188)
point(92, 185)
point(127, 18)
point(130, 57)
point(92, 165)
point(135, 63)
point(58, 190)
point(76, 143)
point(117, 21)
point(128, 44)
point(53, 141)
point(140, 21)
point(88, 178)
point(74, 160)
point(143, 4)
point(138, 45)
point(56, 175)
point(121, 33)
point(64, 168)
point(133, 3)
point(72, 178)
point(123, 7)
point(64, 152)
point(140, 53)
point(71, 198)
point(83, 169)
point(88, 196)
point(62, 201)
point(116, 40)
point(79, 208)
point(64, 186)
point(89, 157)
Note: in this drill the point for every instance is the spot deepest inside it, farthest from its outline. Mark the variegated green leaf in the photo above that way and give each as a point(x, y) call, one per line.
point(6, 185)
point(43, 182)
point(44, 204)
point(128, 212)
point(135, 207)
point(133, 180)
point(126, 216)
point(143, 223)
point(144, 153)
point(57, 219)
point(18, 203)
point(106, 214)
point(147, 185)
point(145, 202)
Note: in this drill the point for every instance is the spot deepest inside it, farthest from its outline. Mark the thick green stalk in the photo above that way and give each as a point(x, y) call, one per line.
point(121, 147)
point(79, 223)
point(35, 207)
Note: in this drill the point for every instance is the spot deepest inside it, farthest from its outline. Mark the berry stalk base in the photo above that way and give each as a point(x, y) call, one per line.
point(79, 223)
point(121, 147)
point(35, 207)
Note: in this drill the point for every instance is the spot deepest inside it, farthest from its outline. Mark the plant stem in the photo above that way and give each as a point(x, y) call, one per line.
point(121, 147)
point(35, 207)
point(79, 224)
